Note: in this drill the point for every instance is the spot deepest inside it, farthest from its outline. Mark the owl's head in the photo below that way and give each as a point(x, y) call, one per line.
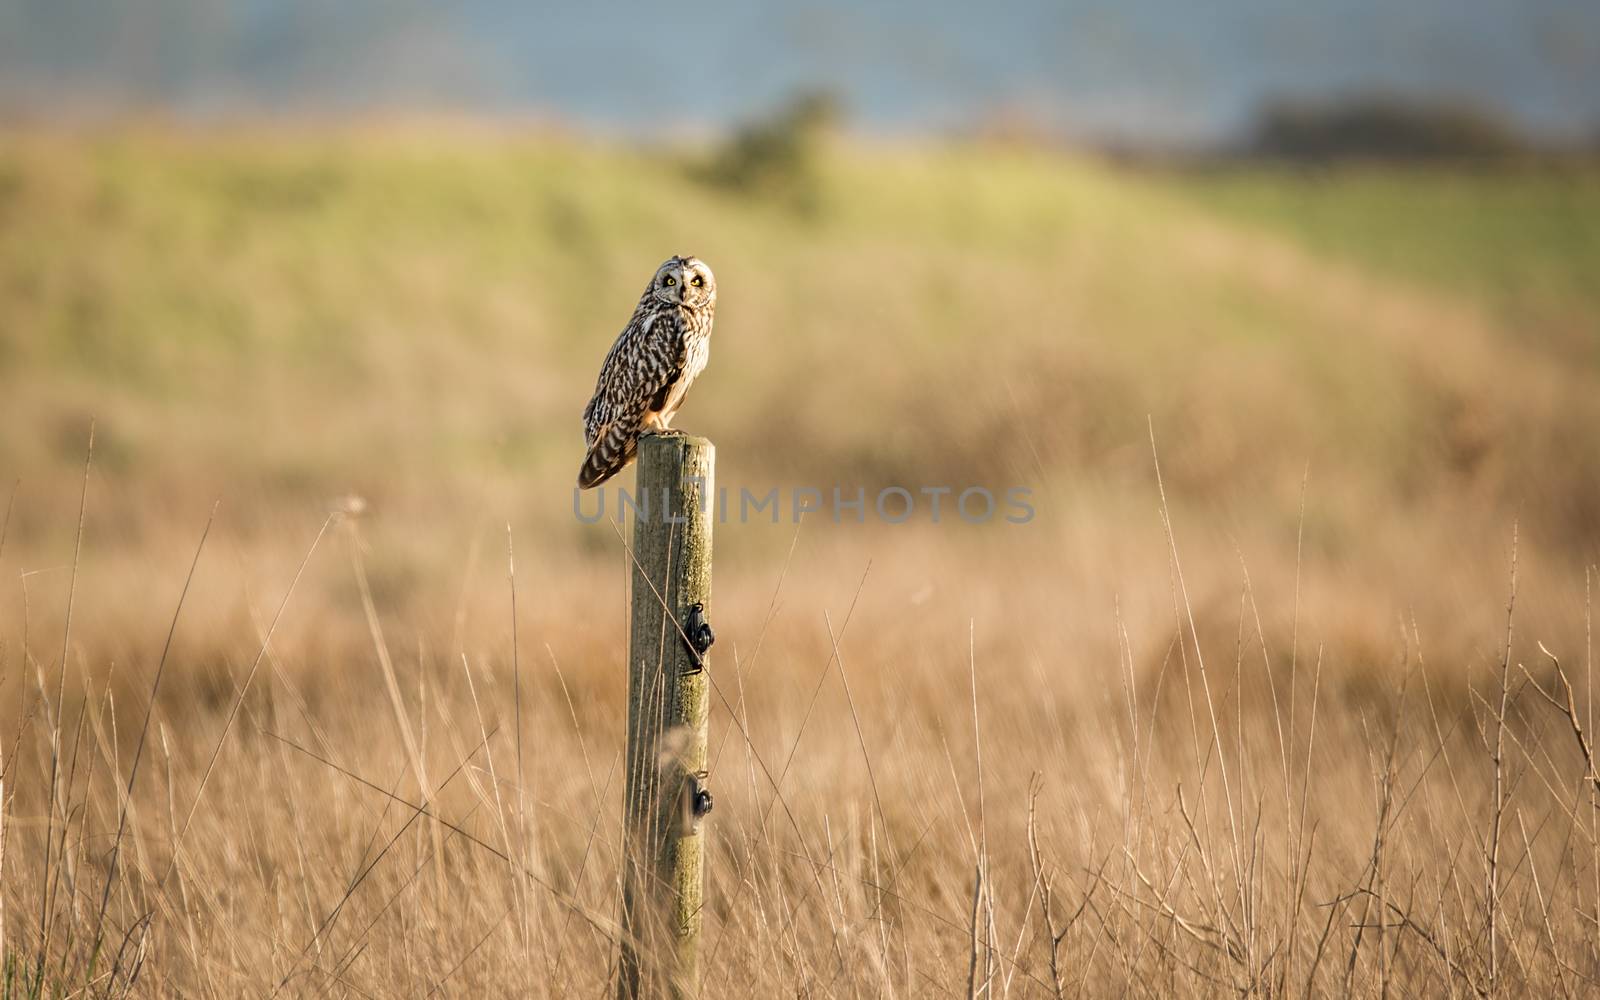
point(685, 281)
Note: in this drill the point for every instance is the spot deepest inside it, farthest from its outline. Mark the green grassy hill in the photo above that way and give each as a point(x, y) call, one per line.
point(416, 316)
point(1524, 242)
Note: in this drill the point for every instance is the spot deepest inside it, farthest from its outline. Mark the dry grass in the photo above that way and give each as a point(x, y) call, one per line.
point(1244, 728)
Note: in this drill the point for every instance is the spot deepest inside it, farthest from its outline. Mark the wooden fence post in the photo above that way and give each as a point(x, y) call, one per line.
point(664, 795)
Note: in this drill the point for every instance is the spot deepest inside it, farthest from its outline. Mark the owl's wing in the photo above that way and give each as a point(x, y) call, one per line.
point(596, 413)
point(640, 366)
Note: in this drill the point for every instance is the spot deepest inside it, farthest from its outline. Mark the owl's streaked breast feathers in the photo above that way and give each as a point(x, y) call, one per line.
point(649, 369)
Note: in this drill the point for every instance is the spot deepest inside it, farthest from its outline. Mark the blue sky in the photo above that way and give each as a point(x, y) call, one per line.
point(1144, 69)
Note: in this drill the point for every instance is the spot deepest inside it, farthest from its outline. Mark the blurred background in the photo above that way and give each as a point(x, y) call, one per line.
point(1336, 266)
point(291, 254)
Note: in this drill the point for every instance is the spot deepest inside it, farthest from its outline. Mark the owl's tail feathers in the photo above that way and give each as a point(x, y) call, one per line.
point(610, 453)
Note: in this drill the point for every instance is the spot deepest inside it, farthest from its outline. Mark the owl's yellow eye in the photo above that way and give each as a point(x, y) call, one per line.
point(670, 282)
point(697, 281)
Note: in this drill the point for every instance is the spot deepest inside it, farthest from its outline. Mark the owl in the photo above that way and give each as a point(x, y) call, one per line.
point(649, 369)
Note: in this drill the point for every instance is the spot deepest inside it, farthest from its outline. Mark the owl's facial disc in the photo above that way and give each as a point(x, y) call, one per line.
point(685, 280)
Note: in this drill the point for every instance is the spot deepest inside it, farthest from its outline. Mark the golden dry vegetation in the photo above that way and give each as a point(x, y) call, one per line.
point(1252, 720)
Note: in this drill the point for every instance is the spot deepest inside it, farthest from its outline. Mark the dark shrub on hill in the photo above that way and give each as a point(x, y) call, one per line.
point(775, 157)
point(1382, 128)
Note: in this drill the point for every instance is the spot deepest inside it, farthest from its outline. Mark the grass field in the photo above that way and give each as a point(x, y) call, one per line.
point(1261, 725)
point(1520, 241)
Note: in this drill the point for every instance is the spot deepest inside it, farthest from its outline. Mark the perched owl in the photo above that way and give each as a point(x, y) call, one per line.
point(649, 369)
